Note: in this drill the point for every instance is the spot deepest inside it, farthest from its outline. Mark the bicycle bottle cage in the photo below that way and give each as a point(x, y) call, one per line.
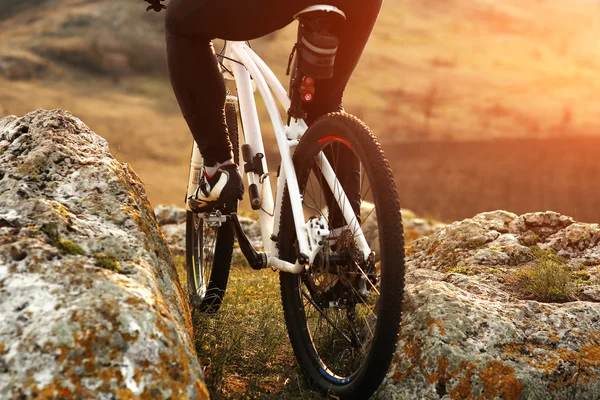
point(317, 46)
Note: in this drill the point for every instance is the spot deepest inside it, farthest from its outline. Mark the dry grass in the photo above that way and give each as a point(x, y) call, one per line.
point(140, 125)
point(445, 180)
point(547, 278)
point(466, 69)
point(501, 69)
point(244, 348)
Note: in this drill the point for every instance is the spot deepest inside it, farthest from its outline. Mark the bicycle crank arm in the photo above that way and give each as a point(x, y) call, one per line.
point(285, 266)
point(255, 259)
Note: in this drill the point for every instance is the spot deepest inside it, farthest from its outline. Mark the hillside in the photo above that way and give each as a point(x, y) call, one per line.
point(453, 70)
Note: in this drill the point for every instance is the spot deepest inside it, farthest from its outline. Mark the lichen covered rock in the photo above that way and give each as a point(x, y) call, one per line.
point(90, 303)
point(477, 321)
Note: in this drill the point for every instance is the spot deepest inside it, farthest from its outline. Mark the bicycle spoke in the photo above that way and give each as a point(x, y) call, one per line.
point(310, 194)
point(326, 317)
point(362, 184)
point(368, 280)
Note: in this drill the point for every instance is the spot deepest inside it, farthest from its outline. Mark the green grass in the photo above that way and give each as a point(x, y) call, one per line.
point(244, 348)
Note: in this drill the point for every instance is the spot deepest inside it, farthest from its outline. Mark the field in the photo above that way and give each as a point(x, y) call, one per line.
point(454, 180)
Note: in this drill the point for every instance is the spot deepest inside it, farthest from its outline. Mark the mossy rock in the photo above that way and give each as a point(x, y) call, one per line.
point(107, 261)
point(64, 245)
point(69, 247)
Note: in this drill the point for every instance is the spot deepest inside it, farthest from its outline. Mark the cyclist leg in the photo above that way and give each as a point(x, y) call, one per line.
point(353, 34)
point(199, 86)
point(193, 68)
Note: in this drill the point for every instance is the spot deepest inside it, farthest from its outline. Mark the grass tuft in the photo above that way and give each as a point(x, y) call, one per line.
point(530, 240)
point(547, 278)
point(582, 277)
point(460, 269)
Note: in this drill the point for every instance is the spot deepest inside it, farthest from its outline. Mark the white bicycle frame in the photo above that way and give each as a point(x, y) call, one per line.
point(311, 234)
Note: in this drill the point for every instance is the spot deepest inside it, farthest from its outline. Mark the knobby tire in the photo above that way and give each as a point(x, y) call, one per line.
point(302, 293)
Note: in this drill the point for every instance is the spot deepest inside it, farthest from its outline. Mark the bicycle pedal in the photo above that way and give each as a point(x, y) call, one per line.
point(216, 219)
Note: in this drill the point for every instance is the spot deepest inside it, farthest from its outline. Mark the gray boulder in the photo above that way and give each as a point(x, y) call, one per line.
point(90, 303)
point(501, 306)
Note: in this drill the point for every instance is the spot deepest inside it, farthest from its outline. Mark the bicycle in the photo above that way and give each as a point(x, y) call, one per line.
point(341, 261)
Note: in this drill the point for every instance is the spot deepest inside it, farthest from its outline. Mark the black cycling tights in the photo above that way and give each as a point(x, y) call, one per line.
point(194, 71)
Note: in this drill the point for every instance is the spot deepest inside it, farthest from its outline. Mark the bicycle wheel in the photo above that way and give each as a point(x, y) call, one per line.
point(209, 246)
point(342, 312)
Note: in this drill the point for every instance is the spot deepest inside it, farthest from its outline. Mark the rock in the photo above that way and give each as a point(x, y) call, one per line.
point(416, 227)
point(251, 228)
point(168, 215)
point(90, 303)
point(469, 329)
point(175, 235)
point(171, 220)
